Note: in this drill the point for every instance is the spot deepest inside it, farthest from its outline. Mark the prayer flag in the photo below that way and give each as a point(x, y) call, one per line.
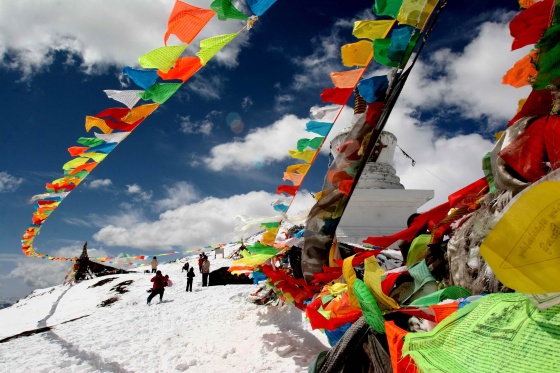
point(186, 21)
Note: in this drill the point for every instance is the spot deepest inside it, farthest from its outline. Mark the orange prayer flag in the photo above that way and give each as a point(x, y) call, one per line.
point(294, 177)
point(184, 68)
point(186, 21)
point(346, 79)
point(520, 74)
point(526, 3)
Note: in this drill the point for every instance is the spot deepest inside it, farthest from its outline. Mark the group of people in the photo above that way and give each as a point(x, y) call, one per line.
point(160, 282)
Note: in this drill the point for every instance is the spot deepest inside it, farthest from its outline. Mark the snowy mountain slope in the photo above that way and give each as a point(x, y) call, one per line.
point(213, 329)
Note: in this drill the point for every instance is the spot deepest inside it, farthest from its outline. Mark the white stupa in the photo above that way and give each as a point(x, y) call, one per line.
point(380, 205)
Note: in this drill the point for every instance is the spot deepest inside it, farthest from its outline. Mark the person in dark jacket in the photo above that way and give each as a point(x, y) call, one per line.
point(185, 267)
point(190, 277)
point(158, 287)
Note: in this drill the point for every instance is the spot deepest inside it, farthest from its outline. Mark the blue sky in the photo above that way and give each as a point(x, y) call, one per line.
point(187, 177)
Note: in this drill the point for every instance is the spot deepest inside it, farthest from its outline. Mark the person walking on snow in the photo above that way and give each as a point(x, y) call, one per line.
point(157, 288)
point(205, 271)
point(190, 277)
point(154, 265)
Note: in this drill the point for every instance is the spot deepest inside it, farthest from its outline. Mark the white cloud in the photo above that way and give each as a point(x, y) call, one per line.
point(100, 184)
point(282, 102)
point(246, 103)
point(469, 82)
point(178, 194)
point(138, 193)
point(444, 164)
point(254, 150)
point(203, 127)
point(9, 183)
point(101, 33)
point(209, 221)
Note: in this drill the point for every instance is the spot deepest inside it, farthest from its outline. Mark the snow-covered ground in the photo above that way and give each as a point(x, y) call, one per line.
point(212, 329)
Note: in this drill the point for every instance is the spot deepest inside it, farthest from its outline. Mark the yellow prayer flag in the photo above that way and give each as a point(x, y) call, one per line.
point(416, 12)
point(372, 279)
point(523, 249)
point(139, 112)
point(162, 58)
point(306, 155)
point(268, 238)
point(357, 54)
point(75, 163)
point(209, 47)
point(350, 277)
point(99, 123)
point(372, 29)
point(301, 168)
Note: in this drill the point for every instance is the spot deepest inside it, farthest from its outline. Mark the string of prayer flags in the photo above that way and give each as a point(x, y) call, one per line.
point(336, 95)
point(374, 88)
point(258, 7)
point(529, 25)
point(184, 68)
point(186, 21)
point(416, 12)
point(162, 58)
point(160, 92)
point(225, 10)
point(372, 29)
point(129, 98)
point(143, 78)
point(209, 47)
point(522, 72)
point(357, 54)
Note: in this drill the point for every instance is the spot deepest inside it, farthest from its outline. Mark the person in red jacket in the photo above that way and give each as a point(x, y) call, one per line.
point(158, 287)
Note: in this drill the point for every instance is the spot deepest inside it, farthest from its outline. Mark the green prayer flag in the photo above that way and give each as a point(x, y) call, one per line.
point(313, 143)
point(274, 224)
point(497, 333)
point(547, 63)
point(160, 92)
point(209, 47)
point(387, 7)
point(90, 141)
point(370, 308)
point(451, 292)
point(225, 10)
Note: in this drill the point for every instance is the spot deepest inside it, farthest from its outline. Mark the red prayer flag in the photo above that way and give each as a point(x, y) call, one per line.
point(529, 26)
point(337, 96)
point(288, 189)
